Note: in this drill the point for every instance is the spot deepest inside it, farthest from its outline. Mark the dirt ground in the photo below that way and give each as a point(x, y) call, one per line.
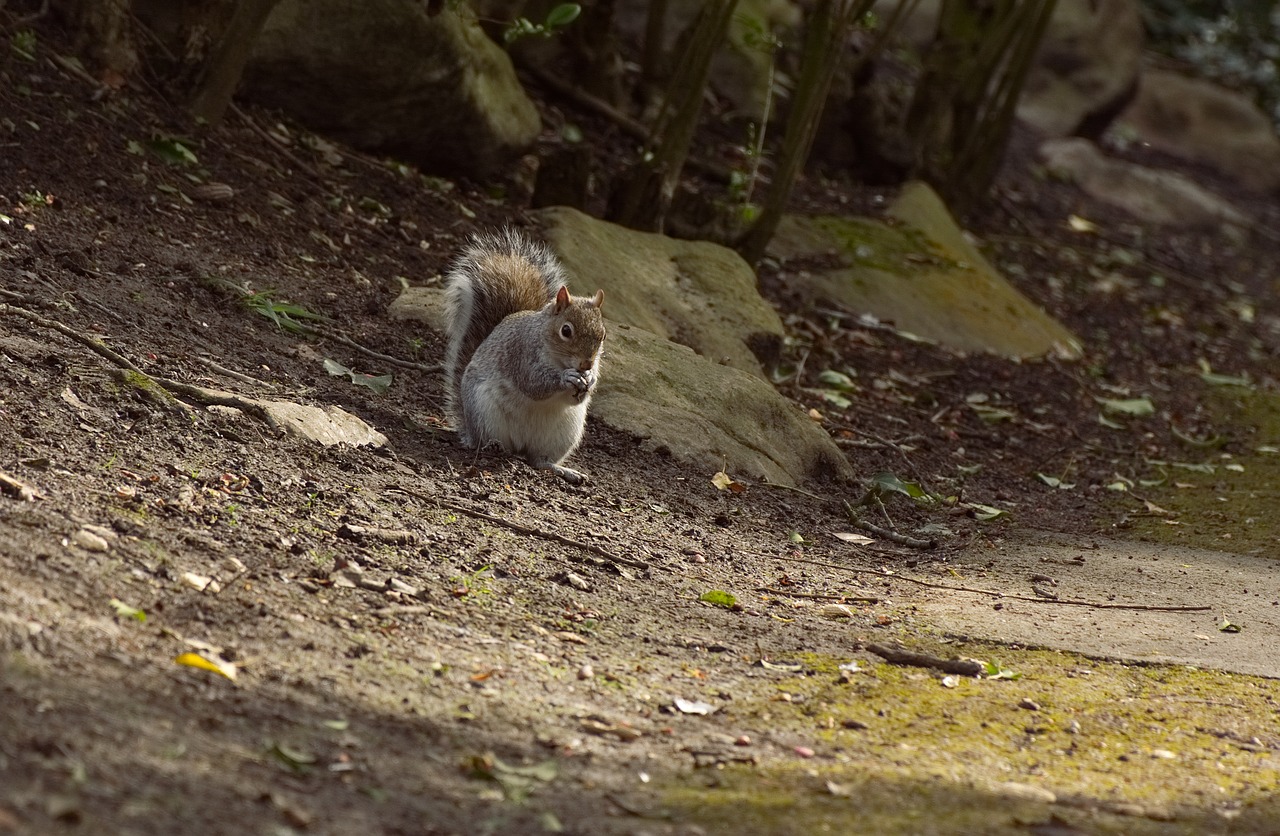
point(424, 642)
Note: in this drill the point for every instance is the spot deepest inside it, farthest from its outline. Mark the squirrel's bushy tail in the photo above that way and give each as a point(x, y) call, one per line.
point(496, 275)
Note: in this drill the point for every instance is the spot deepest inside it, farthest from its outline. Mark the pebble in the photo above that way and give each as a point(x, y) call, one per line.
point(403, 588)
point(89, 541)
point(1026, 792)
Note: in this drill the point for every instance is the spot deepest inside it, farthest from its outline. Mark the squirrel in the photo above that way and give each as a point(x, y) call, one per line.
point(523, 355)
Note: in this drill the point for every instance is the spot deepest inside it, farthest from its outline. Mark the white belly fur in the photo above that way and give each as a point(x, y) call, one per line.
point(543, 431)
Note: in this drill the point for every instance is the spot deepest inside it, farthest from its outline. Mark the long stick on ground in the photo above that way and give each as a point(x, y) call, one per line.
point(975, 591)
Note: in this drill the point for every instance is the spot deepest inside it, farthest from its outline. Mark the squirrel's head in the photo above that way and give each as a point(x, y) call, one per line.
point(578, 328)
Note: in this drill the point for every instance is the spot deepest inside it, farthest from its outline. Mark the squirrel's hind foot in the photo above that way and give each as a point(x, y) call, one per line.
point(571, 476)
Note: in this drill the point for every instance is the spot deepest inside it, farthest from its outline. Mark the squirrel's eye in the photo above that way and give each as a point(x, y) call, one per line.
point(566, 331)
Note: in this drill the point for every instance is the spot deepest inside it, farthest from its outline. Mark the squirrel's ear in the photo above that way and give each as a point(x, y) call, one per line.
point(599, 298)
point(562, 298)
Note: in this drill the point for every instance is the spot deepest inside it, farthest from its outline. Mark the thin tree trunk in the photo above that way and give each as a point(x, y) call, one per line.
point(226, 63)
point(828, 32)
point(644, 196)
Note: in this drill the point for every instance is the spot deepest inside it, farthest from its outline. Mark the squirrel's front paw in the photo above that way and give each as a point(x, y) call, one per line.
point(580, 382)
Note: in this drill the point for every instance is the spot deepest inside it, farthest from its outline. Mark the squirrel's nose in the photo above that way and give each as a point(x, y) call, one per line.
point(585, 365)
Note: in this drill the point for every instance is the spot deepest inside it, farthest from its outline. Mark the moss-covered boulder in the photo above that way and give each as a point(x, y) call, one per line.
point(385, 76)
point(920, 273)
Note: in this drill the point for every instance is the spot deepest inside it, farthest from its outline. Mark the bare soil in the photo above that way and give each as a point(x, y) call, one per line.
point(423, 638)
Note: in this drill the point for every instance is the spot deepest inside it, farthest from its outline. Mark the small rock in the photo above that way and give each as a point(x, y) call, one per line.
point(397, 585)
point(89, 541)
point(1028, 704)
point(576, 581)
point(836, 611)
point(203, 583)
point(586, 672)
point(372, 584)
point(804, 751)
point(1026, 792)
point(348, 578)
point(105, 532)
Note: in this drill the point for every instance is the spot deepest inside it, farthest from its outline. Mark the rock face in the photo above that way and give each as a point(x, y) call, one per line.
point(385, 77)
point(922, 275)
point(708, 415)
point(1154, 197)
point(1205, 123)
point(1087, 67)
point(696, 293)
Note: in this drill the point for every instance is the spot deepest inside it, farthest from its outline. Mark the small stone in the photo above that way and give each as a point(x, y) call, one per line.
point(347, 579)
point(1029, 704)
point(105, 532)
point(742, 740)
point(89, 541)
point(804, 751)
point(397, 585)
point(1026, 792)
point(203, 583)
point(586, 672)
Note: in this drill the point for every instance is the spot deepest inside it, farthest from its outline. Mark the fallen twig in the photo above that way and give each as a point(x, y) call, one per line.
point(207, 397)
point(819, 596)
point(893, 536)
point(233, 374)
point(275, 143)
point(18, 489)
point(604, 554)
point(377, 355)
point(547, 535)
point(896, 654)
point(974, 591)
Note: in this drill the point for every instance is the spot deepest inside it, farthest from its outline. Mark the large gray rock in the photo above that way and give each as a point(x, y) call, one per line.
point(1162, 198)
point(696, 293)
point(385, 77)
point(1199, 121)
point(1087, 66)
point(708, 415)
point(921, 274)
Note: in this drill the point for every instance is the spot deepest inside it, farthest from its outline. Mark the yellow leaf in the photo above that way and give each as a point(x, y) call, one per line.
point(220, 667)
point(725, 482)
